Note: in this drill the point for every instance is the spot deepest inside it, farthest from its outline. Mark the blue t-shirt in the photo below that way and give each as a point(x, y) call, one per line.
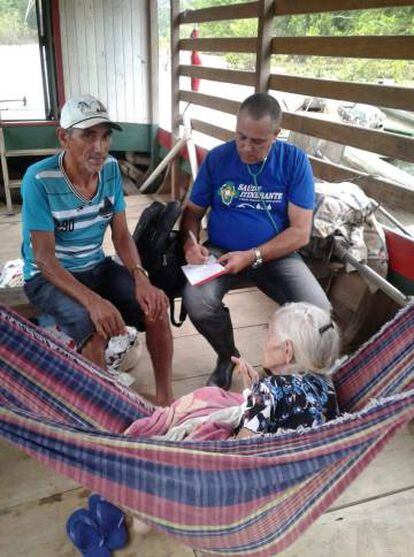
point(238, 219)
point(51, 204)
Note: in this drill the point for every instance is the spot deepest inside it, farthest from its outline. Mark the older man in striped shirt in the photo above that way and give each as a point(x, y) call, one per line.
point(69, 200)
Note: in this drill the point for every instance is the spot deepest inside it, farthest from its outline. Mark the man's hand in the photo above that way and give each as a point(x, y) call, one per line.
point(196, 254)
point(249, 374)
point(236, 261)
point(106, 318)
point(153, 301)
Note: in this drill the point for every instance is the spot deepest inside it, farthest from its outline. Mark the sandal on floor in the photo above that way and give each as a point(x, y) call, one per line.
point(85, 534)
point(111, 521)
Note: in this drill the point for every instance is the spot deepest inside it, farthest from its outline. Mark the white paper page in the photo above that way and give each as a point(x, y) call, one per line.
point(197, 274)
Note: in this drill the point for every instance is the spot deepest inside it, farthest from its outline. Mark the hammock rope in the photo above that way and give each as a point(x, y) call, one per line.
point(239, 497)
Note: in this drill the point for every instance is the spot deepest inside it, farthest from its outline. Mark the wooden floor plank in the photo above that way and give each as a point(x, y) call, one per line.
point(38, 529)
point(380, 528)
point(193, 357)
point(23, 479)
point(392, 470)
point(247, 307)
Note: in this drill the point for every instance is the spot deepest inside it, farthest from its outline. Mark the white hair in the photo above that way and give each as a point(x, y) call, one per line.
point(314, 336)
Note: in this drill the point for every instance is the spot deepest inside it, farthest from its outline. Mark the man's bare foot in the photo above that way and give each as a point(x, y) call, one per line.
point(164, 401)
point(159, 400)
point(149, 397)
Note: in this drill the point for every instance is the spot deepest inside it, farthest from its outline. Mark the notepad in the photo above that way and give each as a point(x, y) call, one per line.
point(199, 274)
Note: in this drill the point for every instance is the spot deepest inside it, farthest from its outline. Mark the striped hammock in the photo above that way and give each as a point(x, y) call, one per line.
point(244, 497)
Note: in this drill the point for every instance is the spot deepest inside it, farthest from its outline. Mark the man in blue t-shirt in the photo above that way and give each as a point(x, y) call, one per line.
point(69, 200)
point(260, 193)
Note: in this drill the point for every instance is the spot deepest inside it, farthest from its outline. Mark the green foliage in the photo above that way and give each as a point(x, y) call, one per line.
point(14, 29)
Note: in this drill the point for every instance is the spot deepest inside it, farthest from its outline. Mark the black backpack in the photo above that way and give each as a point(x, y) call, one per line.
point(160, 250)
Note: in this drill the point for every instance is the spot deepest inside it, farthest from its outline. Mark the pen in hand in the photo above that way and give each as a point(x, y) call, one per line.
point(196, 256)
point(193, 238)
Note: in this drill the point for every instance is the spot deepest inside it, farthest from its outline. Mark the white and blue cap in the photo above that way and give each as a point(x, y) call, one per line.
point(84, 112)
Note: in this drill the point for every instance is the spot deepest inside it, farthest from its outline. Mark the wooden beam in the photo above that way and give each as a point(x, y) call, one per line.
point(216, 103)
point(264, 45)
point(381, 190)
point(383, 143)
point(175, 103)
point(284, 7)
point(379, 95)
point(240, 44)
point(292, 7)
point(379, 47)
point(220, 13)
point(153, 74)
point(175, 62)
point(217, 74)
point(390, 144)
point(211, 130)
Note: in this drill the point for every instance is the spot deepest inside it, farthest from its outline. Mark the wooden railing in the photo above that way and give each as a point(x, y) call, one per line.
point(389, 144)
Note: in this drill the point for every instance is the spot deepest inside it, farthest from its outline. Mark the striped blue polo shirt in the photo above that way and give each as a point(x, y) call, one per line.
point(52, 204)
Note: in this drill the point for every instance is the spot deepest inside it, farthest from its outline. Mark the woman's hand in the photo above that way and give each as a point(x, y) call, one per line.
point(250, 375)
point(245, 433)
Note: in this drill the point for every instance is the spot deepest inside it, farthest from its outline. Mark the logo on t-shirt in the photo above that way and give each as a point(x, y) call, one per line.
point(107, 209)
point(228, 192)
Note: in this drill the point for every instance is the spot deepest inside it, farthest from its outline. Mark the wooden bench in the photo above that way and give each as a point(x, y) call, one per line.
point(16, 299)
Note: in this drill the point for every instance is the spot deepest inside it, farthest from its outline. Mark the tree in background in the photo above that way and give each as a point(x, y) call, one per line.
point(17, 22)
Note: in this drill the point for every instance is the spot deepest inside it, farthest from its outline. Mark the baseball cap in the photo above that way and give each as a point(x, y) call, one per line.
point(84, 112)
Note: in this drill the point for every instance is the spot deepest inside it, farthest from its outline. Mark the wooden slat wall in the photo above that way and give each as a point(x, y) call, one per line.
point(105, 51)
point(388, 144)
point(283, 7)
point(380, 95)
point(362, 47)
point(381, 47)
point(295, 7)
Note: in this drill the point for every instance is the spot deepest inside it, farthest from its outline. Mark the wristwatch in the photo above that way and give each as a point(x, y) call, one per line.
point(258, 258)
point(140, 268)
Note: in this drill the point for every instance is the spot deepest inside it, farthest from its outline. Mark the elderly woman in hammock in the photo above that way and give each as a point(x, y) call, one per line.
point(296, 389)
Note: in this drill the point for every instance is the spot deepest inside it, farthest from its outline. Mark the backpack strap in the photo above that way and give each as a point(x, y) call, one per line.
point(182, 316)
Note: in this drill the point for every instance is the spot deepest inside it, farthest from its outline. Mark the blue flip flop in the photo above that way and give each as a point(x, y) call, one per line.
point(85, 534)
point(110, 520)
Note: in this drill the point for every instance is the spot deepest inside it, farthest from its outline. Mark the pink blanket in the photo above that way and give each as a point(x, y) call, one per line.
point(197, 407)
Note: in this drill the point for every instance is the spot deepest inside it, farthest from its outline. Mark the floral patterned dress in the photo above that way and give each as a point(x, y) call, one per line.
point(289, 401)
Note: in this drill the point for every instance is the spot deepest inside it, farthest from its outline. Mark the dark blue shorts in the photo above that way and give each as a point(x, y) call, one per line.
point(108, 279)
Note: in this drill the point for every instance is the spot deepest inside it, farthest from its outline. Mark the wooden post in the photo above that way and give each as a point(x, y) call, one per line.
point(175, 86)
point(6, 180)
point(264, 45)
point(152, 10)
